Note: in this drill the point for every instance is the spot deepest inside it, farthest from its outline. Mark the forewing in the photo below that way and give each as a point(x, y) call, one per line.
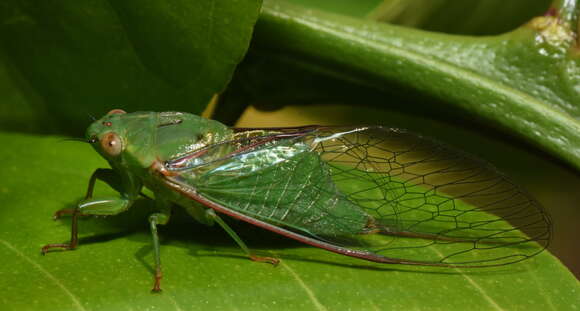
point(381, 192)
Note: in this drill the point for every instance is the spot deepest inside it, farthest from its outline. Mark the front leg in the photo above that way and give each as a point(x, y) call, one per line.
point(109, 176)
point(89, 206)
point(95, 207)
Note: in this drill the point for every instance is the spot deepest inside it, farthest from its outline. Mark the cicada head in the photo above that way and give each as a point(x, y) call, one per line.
point(120, 136)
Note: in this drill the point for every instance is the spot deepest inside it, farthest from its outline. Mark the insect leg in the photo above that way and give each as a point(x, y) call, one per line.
point(211, 214)
point(92, 207)
point(107, 175)
point(159, 218)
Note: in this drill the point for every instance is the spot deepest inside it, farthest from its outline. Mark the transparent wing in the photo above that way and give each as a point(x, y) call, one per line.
point(377, 191)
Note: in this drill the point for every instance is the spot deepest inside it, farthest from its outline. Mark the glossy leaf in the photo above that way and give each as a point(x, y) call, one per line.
point(203, 268)
point(477, 17)
point(523, 82)
point(64, 60)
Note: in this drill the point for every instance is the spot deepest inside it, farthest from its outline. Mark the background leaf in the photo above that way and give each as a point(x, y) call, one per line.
point(476, 17)
point(112, 268)
point(505, 81)
point(64, 60)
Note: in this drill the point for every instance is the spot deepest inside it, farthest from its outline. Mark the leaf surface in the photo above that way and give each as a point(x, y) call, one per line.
point(112, 268)
point(523, 82)
point(65, 60)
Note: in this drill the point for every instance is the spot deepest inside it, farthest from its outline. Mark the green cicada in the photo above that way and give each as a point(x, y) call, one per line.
point(375, 193)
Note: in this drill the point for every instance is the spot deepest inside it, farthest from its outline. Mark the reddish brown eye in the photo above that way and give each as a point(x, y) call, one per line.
point(112, 144)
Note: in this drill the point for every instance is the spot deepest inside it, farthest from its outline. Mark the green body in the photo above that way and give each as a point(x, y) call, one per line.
point(375, 193)
point(286, 184)
point(150, 137)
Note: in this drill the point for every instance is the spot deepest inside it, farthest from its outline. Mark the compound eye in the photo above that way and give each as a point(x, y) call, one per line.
point(112, 144)
point(116, 111)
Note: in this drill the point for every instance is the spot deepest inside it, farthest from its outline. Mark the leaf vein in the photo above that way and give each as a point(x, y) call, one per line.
point(76, 302)
point(307, 289)
point(473, 284)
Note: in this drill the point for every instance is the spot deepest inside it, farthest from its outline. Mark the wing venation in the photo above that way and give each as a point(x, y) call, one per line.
point(381, 192)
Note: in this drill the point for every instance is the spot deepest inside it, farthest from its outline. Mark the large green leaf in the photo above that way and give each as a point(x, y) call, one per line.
point(478, 17)
point(523, 82)
point(63, 60)
point(112, 268)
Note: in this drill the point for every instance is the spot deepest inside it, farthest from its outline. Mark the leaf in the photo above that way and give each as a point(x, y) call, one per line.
point(112, 268)
point(64, 60)
point(359, 8)
point(476, 17)
point(523, 82)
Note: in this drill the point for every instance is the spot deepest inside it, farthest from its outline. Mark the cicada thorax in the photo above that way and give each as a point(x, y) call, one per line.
point(179, 135)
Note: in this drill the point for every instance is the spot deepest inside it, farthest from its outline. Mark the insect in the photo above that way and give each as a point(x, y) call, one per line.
point(375, 193)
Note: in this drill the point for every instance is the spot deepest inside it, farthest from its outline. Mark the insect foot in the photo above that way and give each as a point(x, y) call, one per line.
point(67, 247)
point(65, 211)
point(157, 285)
point(271, 260)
